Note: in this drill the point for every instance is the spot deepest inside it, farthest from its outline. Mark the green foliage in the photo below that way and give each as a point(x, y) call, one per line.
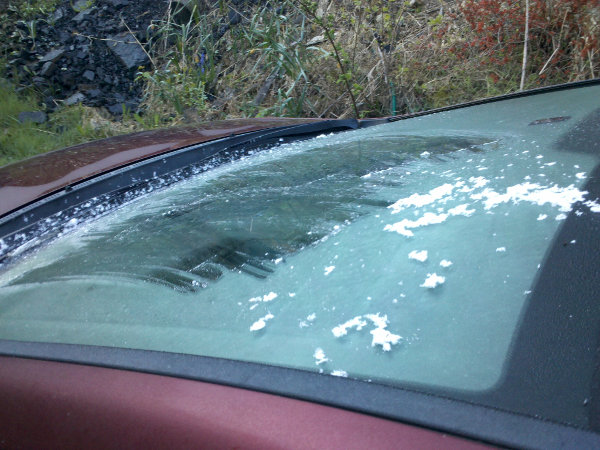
point(181, 88)
point(436, 21)
point(183, 57)
point(23, 140)
point(278, 45)
point(82, 7)
point(327, 23)
point(28, 9)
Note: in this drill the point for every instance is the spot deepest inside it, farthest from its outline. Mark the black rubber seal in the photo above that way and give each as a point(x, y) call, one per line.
point(483, 101)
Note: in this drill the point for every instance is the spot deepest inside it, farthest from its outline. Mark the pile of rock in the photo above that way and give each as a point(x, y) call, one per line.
point(87, 51)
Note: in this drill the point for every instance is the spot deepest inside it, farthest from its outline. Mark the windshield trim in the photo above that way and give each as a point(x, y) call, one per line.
point(498, 98)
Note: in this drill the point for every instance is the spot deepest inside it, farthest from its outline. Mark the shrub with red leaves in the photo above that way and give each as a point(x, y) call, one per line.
point(563, 35)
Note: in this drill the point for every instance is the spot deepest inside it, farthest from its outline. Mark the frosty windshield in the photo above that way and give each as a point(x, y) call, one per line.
point(403, 253)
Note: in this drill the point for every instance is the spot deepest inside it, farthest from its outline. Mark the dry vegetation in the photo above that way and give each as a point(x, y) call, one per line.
point(331, 58)
point(368, 58)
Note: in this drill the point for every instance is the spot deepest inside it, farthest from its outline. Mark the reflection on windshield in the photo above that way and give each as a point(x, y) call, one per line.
point(247, 218)
point(400, 253)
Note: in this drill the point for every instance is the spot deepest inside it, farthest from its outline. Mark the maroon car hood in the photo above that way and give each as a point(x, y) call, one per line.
point(26, 181)
point(47, 404)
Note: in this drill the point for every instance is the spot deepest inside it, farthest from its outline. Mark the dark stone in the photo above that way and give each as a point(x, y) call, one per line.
point(116, 109)
point(33, 116)
point(53, 55)
point(47, 69)
point(67, 78)
point(78, 97)
point(86, 87)
point(128, 50)
point(50, 103)
point(58, 14)
point(25, 53)
point(65, 64)
point(39, 80)
point(234, 17)
point(83, 15)
point(88, 74)
point(117, 3)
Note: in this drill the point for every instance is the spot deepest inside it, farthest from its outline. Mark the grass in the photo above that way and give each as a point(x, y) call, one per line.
point(29, 9)
point(68, 126)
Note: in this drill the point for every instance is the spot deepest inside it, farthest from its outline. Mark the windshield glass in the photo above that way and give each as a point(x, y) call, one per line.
point(399, 253)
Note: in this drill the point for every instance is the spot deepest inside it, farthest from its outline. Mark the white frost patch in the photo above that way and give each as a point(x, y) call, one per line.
point(270, 296)
point(265, 298)
point(561, 217)
point(580, 176)
point(593, 205)
point(556, 196)
point(477, 182)
point(562, 198)
point(433, 280)
point(445, 263)
point(309, 318)
point(328, 270)
point(501, 249)
point(461, 210)
point(339, 373)
point(342, 330)
point(425, 155)
point(420, 200)
point(261, 323)
point(319, 356)
point(418, 255)
point(292, 294)
point(381, 336)
point(403, 227)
